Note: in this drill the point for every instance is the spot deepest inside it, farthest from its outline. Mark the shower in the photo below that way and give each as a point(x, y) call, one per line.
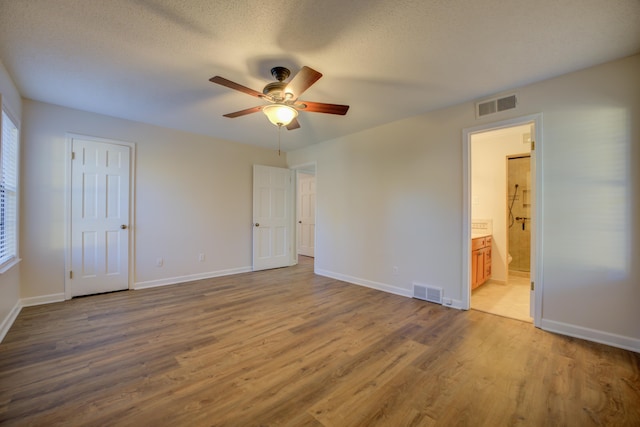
point(512, 219)
point(519, 211)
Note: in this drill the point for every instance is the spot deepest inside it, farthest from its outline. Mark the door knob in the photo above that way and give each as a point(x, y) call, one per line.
point(124, 227)
point(257, 224)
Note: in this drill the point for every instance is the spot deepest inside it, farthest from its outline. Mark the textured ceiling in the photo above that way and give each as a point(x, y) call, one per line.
point(150, 60)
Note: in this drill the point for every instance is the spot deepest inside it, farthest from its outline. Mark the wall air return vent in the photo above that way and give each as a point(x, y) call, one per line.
point(427, 293)
point(496, 105)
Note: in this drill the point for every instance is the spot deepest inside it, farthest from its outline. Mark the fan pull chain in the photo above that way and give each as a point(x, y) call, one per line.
point(279, 137)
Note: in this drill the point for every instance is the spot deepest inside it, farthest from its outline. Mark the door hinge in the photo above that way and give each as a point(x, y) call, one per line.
point(73, 155)
point(533, 286)
point(533, 145)
point(70, 274)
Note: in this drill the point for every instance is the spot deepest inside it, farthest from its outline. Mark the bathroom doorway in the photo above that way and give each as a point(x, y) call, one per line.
point(501, 194)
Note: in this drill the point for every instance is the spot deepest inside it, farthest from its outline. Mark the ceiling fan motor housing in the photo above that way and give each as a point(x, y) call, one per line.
point(275, 90)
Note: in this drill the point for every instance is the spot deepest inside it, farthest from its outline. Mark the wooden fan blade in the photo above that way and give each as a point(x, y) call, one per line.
point(233, 85)
point(319, 107)
point(244, 112)
point(302, 81)
point(293, 125)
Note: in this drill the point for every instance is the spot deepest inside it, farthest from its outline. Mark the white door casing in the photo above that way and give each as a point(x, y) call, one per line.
point(272, 217)
point(533, 255)
point(100, 213)
point(306, 213)
point(536, 266)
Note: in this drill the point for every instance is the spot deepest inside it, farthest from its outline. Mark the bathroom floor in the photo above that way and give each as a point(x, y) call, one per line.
point(508, 300)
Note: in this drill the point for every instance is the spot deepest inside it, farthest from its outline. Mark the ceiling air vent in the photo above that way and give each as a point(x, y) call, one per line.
point(496, 105)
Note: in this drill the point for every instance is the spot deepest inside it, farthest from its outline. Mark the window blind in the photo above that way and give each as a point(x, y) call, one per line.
point(8, 189)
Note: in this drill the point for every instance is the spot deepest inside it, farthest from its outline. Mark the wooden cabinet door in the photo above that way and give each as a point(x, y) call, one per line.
point(474, 269)
point(477, 268)
point(487, 262)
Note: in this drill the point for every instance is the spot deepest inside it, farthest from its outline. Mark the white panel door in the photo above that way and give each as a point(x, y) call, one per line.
point(271, 217)
point(99, 217)
point(306, 214)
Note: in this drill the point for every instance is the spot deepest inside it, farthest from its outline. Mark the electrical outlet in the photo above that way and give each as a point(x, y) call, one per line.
point(159, 262)
point(201, 257)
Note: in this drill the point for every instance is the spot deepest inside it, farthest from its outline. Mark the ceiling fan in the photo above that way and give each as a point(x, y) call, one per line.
point(283, 97)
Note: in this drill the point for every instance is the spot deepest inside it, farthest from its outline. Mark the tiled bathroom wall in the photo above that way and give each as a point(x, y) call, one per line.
point(519, 218)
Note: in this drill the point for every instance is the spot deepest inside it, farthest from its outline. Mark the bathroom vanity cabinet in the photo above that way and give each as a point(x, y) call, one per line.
point(480, 260)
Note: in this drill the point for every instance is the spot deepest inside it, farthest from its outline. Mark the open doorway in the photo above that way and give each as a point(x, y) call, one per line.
point(306, 213)
point(501, 195)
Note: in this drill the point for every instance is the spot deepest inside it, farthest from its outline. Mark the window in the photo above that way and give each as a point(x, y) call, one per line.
point(8, 192)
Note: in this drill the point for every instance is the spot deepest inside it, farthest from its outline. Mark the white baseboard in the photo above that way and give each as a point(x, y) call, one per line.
point(447, 302)
point(189, 278)
point(7, 322)
point(44, 299)
point(614, 340)
point(364, 282)
point(455, 303)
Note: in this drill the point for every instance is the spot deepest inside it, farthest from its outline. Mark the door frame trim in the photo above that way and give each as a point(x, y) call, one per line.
point(537, 220)
point(67, 206)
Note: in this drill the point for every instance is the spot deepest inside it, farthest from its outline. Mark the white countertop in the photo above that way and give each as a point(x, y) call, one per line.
point(477, 235)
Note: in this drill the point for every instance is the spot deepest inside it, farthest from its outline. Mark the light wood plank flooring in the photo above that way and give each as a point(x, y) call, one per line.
point(288, 348)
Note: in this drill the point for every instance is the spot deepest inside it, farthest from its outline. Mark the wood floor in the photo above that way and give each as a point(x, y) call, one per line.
point(288, 348)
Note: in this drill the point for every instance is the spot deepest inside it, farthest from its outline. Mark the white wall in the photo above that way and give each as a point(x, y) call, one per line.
point(489, 186)
point(393, 196)
point(386, 198)
point(10, 280)
point(193, 195)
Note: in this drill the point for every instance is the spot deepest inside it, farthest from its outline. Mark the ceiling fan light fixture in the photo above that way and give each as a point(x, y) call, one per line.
point(280, 114)
point(284, 98)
